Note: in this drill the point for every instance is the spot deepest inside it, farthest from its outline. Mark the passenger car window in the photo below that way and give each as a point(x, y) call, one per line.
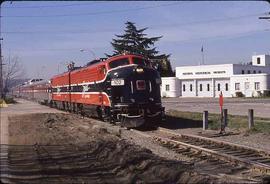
point(119, 62)
point(140, 61)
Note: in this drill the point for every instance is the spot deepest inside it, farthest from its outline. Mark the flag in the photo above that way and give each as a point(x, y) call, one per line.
point(202, 49)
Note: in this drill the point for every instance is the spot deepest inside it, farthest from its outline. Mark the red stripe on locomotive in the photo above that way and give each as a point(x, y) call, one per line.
point(94, 99)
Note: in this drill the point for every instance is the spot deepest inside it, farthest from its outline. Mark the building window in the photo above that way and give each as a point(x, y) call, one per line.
point(190, 87)
point(237, 86)
point(243, 71)
point(119, 62)
point(254, 71)
point(167, 87)
point(184, 87)
point(218, 87)
point(260, 71)
point(208, 87)
point(202, 73)
point(188, 73)
point(246, 85)
point(257, 86)
point(258, 60)
point(219, 72)
point(226, 87)
point(248, 71)
point(200, 87)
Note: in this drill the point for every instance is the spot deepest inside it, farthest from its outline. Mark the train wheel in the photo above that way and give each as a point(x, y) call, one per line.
point(63, 106)
point(51, 104)
point(104, 113)
point(81, 110)
point(55, 105)
point(73, 107)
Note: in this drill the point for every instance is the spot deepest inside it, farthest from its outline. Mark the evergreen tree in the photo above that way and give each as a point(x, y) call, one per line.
point(135, 41)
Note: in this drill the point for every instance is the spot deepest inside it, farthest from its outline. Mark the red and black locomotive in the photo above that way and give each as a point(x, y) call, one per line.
point(123, 88)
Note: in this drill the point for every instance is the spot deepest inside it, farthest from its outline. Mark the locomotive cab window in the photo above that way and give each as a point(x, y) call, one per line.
point(119, 62)
point(140, 61)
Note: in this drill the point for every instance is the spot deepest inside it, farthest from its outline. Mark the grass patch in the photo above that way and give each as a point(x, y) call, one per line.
point(239, 123)
point(8, 100)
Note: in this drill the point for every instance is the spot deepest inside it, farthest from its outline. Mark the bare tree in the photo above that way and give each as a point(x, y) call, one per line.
point(12, 70)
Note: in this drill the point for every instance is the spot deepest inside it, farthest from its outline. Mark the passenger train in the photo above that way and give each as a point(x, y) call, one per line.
point(123, 88)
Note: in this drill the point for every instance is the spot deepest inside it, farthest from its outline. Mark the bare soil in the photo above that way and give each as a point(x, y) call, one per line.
point(64, 148)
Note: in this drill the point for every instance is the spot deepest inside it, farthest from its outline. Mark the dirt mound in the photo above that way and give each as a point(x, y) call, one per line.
point(63, 148)
point(96, 162)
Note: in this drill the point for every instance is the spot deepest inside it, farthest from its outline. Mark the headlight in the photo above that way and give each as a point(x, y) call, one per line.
point(117, 82)
point(139, 70)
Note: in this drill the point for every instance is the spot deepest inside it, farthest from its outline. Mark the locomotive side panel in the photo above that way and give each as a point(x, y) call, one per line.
point(88, 75)
point(81, 86)
point(60, 80)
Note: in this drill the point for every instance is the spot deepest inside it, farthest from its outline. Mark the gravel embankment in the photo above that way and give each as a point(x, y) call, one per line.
point(255, 140)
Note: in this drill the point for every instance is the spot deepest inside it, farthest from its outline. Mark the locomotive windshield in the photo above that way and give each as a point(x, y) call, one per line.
point(140, 61)
point(119, 62)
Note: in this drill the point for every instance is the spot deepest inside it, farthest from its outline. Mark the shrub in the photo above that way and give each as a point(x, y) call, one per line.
point(259, 94)
point(266, 93)
point(239, 94)
point(9, 100)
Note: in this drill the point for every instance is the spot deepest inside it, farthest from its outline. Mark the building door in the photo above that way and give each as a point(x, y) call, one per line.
point(247, 91)
point(204, 88)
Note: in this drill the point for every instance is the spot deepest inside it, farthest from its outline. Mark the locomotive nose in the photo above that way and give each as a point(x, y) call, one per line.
point(138, 85)
point(143, 86)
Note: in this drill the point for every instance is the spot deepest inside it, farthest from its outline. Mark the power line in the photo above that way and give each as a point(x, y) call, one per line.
point(150, 27)
point(210, 21)
point(91, 13)
point(232, 36)
point(61, 49)
point(61, 32)
point(50, 6)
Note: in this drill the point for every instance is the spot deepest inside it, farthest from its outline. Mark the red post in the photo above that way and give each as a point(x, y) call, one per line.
point(221, 100)
point(222, 126)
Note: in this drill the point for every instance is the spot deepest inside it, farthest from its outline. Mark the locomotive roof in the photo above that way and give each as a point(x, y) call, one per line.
point(33, 84)
point(99, 61)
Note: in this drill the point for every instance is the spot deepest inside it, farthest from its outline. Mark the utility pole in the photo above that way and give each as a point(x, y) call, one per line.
point(265, 17)
point(1, 59)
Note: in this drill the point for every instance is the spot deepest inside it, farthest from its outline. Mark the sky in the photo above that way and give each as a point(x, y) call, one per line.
point(47, 35)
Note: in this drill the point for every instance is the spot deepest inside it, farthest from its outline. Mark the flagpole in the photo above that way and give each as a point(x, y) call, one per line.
point(202, 55)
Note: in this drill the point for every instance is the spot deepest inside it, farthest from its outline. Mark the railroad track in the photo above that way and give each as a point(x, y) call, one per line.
point(202, 147)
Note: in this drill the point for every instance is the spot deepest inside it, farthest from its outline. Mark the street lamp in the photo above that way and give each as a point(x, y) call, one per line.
point(266, 17)
point(1, 64)
point(84, 50)
point(40, 71)
point(61, 63)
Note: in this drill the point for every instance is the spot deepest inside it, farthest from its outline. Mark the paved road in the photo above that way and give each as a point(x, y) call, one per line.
point(22, 107)
point(235, 106)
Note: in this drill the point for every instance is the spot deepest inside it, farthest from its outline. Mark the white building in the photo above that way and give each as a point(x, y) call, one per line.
point(210, 80)
point(170, 87)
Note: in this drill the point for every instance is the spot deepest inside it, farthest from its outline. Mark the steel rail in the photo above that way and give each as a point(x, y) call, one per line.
point(225, 153)
point(246, 160)
point(238, 146)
